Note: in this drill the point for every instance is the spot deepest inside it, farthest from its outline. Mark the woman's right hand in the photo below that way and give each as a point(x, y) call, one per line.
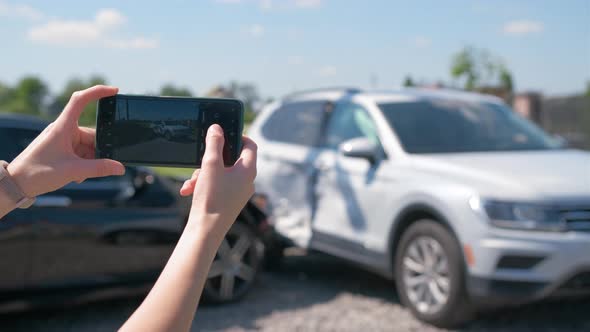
point(219, 192)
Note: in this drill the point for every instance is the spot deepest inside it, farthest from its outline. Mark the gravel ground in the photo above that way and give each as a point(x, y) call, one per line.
point(309, 293)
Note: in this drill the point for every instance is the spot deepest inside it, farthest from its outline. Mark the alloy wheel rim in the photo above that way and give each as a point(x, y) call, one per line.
point(234, 266)
point(425, 273)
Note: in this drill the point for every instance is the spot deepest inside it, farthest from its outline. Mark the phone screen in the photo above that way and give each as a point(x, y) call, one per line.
point(154, 130)
point(165, 131)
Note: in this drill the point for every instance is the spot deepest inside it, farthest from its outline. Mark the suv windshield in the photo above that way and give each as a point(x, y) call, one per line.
point(454, 126)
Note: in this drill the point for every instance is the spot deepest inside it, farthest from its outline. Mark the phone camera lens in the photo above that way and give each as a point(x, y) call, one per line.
point(216, 115)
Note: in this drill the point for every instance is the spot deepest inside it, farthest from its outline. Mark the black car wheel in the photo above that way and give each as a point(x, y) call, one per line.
point(236, 265)
point(430, 275)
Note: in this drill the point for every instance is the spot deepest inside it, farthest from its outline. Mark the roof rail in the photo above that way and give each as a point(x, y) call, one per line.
point(345, 90)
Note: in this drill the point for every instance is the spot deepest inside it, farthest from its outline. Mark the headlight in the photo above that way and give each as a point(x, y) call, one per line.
point(518, 215)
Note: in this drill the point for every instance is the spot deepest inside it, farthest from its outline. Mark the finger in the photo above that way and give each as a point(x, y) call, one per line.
point(188, 187)
point(85, 151)
point(249, 152)
point(248, 157)
point(87, 136)
point(81, 98)
point(213, 156)
point(195, 175)
point(93, 168)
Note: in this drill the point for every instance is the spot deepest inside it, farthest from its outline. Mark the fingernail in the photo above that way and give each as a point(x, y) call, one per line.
point(215, 129)
point(121, 170)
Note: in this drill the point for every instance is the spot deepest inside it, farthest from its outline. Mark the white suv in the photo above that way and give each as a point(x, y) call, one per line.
point(451, 194)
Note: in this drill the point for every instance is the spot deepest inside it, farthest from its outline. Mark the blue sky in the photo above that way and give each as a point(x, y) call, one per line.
point(285, 45)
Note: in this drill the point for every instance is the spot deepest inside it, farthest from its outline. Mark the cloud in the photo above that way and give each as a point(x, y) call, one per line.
point(97, 32)
point(307, 3)
point(19, 11)
point(109, 18)
point(294, 33)
point(267, 5)
point(295, 60)
point(135, 43)
point(65, 32)
point(421, 42)
point(254, 30)
point(327, 71)
point(522, 27)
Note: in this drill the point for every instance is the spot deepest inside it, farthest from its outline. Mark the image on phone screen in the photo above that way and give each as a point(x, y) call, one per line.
point(148, 131)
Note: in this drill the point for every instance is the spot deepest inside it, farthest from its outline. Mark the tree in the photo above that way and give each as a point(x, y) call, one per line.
point(246, 92)
point(463, 65)
point(6, 94)
point(506, 80)
point(171, 90)
point(33, 91)
point(481, 70)
point(88, 117)
point(408, 81)
point(28, 96)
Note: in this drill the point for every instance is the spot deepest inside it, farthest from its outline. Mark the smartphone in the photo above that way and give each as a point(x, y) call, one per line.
point(165, 131)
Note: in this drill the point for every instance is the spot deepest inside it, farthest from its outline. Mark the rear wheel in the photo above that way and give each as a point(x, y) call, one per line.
point(236, 265)
point(273, 256)
point(430, 275)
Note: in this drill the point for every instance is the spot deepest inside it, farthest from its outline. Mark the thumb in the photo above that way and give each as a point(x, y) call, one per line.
point(94, 168)
point(213, 156)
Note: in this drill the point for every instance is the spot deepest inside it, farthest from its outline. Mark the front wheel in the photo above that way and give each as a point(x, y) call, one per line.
point(236, 265)
point(430, 275)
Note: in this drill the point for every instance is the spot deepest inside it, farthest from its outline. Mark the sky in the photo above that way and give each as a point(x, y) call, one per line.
point(287, 45)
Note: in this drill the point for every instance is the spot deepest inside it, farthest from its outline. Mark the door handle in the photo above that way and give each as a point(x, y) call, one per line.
point(322, 166)
point(52, 201)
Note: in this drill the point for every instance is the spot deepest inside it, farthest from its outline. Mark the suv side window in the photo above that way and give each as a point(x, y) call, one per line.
point(15, 140)
point(296, 123)
point(347, 122)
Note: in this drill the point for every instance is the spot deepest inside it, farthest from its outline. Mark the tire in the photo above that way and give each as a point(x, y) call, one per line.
point(273, 257)
point(236, 265)
point(430, 275)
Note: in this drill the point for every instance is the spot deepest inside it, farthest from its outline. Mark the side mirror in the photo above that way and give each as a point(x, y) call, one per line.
point(141, 177)
point(360, 147)
point(561, 141)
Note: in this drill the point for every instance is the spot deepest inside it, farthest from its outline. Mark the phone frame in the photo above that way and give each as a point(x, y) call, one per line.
point(106, 110)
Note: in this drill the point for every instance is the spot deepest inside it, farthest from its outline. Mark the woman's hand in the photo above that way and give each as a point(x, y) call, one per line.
point(63, 152)
point(220, 193)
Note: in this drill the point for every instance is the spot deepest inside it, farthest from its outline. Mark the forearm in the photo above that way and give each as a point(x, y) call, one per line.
point(172, 302)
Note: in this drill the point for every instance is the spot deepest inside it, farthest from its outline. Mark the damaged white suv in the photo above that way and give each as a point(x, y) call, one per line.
point(451, 194)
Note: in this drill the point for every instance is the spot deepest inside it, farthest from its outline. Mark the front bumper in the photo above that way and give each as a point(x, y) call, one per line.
point(521, 266)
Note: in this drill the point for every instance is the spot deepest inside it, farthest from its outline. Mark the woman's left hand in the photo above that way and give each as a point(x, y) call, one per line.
point(64, 152)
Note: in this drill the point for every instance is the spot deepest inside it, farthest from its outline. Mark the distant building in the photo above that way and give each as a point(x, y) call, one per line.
point(528, 105)
point(567, 116)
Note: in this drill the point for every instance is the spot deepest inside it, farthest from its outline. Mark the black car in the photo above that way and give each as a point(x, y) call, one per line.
point(110, 233)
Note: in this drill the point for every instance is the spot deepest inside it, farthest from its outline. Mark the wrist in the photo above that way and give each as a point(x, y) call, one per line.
point(20, 177)
point(207, 228)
